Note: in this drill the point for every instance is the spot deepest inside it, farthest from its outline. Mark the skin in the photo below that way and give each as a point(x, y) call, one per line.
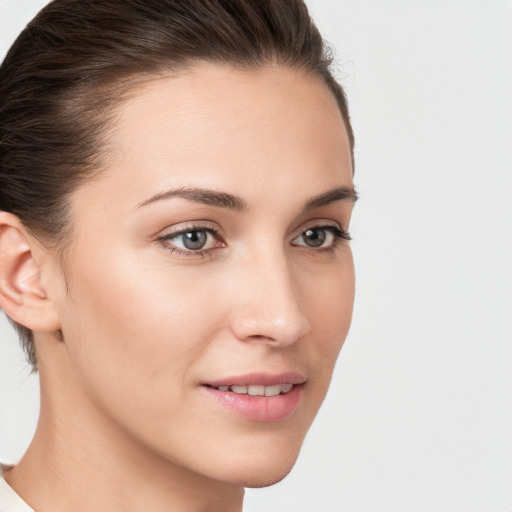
point(131, 328)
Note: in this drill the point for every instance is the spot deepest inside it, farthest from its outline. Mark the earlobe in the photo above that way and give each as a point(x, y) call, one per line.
point(22, 296)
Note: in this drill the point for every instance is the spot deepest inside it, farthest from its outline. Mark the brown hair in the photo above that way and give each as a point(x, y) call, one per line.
point(77, 59)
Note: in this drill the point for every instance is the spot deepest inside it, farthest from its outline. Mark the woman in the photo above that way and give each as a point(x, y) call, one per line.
point(175, 195)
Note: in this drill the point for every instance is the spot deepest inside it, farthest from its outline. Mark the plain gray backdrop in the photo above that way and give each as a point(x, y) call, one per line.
point(419, 416)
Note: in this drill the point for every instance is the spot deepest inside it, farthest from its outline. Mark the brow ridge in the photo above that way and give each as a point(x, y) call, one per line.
point(225, 200)
point(336, 194)
point(203, 196)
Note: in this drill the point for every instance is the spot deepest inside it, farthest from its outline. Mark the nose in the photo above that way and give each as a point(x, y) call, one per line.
point(266, 305)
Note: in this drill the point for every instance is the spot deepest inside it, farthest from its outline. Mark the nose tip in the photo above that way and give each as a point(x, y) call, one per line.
point(274, 327)
point(269, 311)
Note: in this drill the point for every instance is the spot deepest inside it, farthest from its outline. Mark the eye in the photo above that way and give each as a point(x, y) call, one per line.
point(323, 237)
point(193, 239)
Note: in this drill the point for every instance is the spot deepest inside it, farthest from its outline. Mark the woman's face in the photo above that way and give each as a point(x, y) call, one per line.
point(208, 267)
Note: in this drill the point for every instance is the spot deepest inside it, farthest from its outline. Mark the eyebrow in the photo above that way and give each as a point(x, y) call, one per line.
point(203, 196)
point(236, 203)
point(331, 196)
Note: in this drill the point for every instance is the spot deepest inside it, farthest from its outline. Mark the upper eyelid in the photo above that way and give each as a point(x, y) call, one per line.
point(215, 230)
point(179, 232)
point(338, 232)
point(165, 240)
point(184, 228)
point(207, 253)
point(318, 224)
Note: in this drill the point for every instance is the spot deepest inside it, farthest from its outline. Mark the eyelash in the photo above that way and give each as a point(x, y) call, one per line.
point(206, 253)
point(340, 236)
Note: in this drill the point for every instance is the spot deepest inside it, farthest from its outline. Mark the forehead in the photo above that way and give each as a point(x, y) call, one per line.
point(225, 128)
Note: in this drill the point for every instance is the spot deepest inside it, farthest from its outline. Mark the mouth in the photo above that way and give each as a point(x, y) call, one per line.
point(257, 389)
point(259, 397)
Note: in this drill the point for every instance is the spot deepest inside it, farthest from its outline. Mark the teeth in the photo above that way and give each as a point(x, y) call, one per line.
point(286, 387)
point(258, 390)
point(272, 390)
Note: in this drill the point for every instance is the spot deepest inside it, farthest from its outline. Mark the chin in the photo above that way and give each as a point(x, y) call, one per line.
point(267, 481)
point(261, 470)
point(261, 478)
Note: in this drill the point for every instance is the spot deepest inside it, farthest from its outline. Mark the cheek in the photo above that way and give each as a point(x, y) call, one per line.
point(131, 327)
point(139, 330)
point(328, 298)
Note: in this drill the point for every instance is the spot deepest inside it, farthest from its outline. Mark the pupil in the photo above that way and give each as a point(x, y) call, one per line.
point(194, 240)
point(314, 237)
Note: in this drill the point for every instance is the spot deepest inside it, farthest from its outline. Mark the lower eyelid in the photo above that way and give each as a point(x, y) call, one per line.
point(190, 255)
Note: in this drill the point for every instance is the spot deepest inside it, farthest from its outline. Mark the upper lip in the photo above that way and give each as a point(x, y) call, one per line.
point(262, 379)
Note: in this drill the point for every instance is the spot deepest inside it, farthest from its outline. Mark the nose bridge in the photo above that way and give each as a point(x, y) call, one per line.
point(268, 304)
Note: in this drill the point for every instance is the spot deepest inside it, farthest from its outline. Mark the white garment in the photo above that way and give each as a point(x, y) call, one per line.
point(9, 500)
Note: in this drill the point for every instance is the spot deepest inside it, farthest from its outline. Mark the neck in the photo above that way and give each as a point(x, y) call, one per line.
point(81, 461)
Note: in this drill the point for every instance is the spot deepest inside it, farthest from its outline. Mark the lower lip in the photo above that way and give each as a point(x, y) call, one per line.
point(259, 408)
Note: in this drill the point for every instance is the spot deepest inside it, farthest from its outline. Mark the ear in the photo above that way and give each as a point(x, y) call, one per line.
point(22, 295)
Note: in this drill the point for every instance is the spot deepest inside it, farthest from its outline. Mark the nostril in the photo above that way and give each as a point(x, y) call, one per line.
point(259, 337)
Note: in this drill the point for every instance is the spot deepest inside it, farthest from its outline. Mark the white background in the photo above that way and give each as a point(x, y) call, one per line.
point(419, 417)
